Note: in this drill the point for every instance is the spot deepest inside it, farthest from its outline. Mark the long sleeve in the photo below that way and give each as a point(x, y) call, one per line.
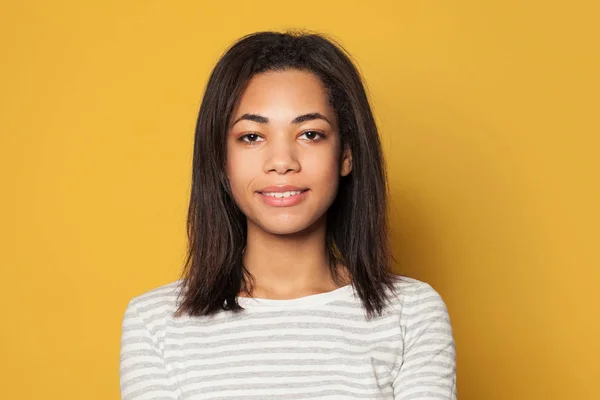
point(143, 375)
point(428, 365)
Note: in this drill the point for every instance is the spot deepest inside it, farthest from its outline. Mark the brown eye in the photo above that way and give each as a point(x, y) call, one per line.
point(313, 136)
point(252, 138)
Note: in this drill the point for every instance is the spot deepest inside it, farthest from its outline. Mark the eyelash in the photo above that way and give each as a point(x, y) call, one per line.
point(241, 138)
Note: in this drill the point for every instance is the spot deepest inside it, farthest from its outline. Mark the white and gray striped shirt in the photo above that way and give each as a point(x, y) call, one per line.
point(315, 347)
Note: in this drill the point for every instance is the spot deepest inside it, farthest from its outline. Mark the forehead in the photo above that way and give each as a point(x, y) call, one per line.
point(288, 92)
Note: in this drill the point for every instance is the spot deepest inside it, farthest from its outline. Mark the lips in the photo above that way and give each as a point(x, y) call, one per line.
point(283, 196)
point(281, 188)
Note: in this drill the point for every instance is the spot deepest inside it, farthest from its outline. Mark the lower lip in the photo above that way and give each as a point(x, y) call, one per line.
point(283, 201)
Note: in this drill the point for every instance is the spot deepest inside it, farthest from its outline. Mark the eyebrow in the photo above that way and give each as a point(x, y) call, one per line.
point(298, 120)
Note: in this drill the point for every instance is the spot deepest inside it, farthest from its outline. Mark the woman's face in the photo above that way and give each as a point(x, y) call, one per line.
point(283, 151)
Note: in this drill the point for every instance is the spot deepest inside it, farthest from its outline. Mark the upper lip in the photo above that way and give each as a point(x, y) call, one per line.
point(280, 188)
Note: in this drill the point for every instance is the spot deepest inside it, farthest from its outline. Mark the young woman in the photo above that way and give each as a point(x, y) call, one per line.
point(287, 292)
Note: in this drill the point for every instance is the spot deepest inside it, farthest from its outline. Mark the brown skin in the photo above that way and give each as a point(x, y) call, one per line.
point(285, 249)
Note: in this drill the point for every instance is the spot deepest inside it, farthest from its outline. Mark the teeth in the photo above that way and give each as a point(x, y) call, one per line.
point(282, 194)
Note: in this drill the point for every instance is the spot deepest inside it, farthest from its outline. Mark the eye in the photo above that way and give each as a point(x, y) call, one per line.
point(314, 136)
point(252, 138)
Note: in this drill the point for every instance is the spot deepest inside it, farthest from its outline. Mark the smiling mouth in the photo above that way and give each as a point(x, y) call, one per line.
point(288, 198)
point(282, 195)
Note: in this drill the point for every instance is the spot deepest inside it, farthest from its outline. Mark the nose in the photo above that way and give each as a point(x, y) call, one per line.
point(281, 157)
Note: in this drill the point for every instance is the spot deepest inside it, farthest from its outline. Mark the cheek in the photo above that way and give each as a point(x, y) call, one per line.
point(240, 171)
point(322, 167)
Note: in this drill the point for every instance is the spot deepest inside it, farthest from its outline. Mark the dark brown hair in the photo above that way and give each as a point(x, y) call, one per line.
point(357, 232)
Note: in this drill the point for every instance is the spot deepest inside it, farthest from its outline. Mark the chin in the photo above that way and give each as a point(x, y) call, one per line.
point(283, 231)
point(283, 228)
point(285, 225)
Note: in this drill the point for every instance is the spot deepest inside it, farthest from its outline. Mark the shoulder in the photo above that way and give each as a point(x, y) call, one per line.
point(408, 287)
point(419, 300)
point(155, 305)
point(426, 363)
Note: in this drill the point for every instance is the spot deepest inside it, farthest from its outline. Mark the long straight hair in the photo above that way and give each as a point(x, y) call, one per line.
point(356, 222)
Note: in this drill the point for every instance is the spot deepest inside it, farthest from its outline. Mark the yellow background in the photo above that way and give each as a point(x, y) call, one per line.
point(489, 117)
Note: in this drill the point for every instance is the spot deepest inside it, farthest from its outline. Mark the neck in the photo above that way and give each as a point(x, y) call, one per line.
point(289, 266)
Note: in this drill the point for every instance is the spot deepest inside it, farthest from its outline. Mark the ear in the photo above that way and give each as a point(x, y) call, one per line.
point(346, 165)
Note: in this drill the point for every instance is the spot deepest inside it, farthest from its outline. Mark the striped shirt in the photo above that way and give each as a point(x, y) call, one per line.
point(319, 346)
